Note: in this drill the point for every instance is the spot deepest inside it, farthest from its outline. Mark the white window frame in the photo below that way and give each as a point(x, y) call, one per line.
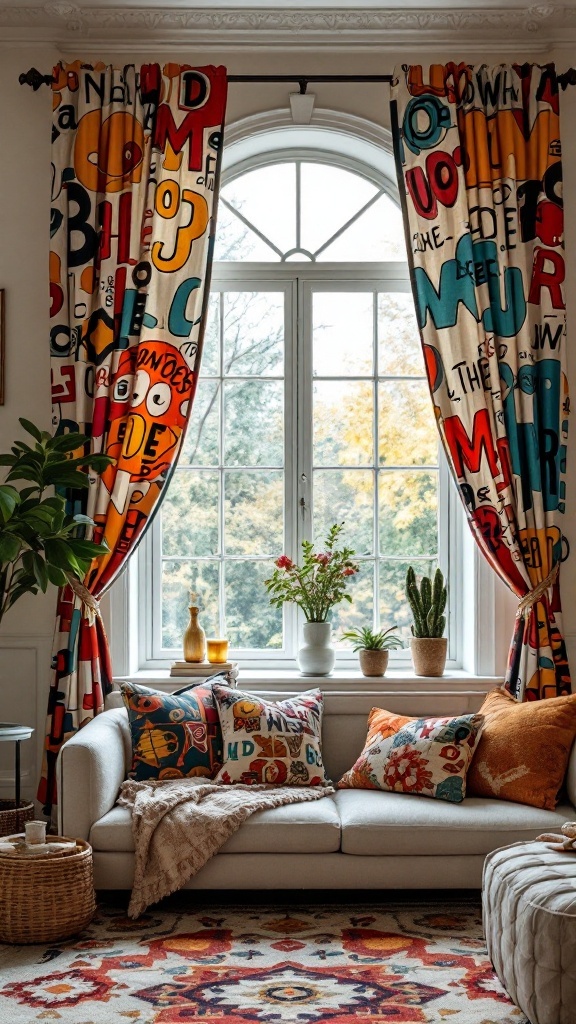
point(299, 281)
point(478, 604)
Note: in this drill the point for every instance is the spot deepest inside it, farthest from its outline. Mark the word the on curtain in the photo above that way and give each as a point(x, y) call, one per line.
point(135, 167)
point(479, 169)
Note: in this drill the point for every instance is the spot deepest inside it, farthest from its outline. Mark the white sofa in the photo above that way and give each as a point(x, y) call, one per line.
point(352, 840)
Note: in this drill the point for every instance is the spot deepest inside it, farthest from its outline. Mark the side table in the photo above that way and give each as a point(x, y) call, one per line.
point(14, 815)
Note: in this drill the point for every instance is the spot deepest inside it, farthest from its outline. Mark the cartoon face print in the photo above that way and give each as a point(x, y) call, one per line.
point(150, 397)
point(246, 715)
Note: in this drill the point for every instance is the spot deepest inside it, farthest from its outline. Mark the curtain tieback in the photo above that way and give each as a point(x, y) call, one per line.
point(91, 605)
point(534, 595)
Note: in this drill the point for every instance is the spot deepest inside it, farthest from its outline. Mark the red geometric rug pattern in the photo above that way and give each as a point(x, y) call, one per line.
point(381, 964)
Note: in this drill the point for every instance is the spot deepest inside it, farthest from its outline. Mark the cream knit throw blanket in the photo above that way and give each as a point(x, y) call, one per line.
point(179, 825)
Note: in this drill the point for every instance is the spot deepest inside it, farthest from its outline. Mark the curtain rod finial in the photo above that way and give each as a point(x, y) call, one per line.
point(34, 78)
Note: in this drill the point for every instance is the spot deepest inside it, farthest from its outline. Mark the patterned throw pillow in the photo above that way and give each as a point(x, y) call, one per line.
point(428, 756)
point(173, 736)
point(271, 742)
point(524, 749)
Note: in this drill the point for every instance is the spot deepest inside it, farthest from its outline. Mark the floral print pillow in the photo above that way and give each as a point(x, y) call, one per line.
point(275, 743)
point(427, 756)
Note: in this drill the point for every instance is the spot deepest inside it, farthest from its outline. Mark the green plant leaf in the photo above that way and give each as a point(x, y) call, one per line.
point(9, 499)
point(30, 428)
point(9, 548)
point(56, 576)
point(59, 554)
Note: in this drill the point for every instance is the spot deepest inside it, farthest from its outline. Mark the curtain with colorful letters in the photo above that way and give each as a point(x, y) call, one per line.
point(135, 168)
point(479, 170)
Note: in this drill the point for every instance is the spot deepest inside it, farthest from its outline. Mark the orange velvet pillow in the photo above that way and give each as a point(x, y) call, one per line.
point(523, 750)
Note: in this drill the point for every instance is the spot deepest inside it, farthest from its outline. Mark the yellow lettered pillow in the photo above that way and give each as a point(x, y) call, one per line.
point(275, 743)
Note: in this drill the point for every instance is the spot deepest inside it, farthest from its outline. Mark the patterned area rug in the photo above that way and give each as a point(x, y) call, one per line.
point(387, 964)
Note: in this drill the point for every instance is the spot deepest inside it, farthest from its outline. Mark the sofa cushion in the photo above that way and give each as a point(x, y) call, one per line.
point(425, 756)
point(295, 828)
point(386, 824)
point(173, 735)
point(524, 749)
point(270, 742)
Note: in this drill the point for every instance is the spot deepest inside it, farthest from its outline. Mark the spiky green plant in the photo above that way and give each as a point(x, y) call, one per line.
point(427, 603)
point(365, 640)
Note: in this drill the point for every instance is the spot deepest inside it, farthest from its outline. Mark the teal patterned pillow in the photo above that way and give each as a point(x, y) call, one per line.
point(174, 736)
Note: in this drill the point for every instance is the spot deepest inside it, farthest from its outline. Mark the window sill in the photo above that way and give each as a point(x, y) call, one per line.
point(341, 681)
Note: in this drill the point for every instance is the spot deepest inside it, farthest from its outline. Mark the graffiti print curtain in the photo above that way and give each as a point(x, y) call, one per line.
point(479, 170)
point(135, 167)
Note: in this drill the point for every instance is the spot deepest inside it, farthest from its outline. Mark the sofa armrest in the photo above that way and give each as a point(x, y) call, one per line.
point(91, 767)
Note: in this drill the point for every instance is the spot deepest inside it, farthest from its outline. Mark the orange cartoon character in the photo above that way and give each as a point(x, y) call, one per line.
point(246, 715)
point(148, 409)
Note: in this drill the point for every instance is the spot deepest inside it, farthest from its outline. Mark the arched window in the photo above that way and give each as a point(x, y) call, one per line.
point(312, 408)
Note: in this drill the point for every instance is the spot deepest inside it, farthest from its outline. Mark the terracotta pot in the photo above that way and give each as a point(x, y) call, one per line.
point(429, 655)
point(373, 663)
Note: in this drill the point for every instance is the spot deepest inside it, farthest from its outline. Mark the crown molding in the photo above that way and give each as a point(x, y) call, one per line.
point(65, 23)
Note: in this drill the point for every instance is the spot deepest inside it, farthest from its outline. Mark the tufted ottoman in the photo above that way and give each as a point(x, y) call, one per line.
point(529, 905)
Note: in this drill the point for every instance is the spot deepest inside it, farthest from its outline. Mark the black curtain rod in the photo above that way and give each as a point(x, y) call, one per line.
point(34, 78)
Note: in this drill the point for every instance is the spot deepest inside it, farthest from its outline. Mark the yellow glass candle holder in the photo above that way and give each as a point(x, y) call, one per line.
point(216, 650)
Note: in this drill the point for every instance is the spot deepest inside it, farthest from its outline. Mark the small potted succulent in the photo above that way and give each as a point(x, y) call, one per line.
point(428, 643)
point(373, 648)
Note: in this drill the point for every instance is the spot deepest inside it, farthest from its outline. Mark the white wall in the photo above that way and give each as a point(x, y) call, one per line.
point(24, 221)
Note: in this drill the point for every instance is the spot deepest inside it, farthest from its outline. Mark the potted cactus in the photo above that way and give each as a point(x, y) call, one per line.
point(428, 643)
point(373, 648)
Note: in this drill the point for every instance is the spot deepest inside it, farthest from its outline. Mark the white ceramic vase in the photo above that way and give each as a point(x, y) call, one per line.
point(316, 656)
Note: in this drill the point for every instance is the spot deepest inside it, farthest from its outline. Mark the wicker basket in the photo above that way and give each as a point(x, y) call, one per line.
point(12, 818)
point(46, 899)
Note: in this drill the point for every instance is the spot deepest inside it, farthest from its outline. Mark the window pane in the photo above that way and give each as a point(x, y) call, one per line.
point(378, 234)
point(330, 196)
point(253, 513)
point(235, 241)
point(210, 366)
point(343, 334)
point(361, 611)
point(190, 514)
point(178, 579)
point(200, 446)
point(408, 513)
point(399, 349)
point(343, 423)
point(251, 621)
point(253, 334)
point(407, 430)
point(345, 496)
point(394, 606)
point(267, 198)
point(254, 423)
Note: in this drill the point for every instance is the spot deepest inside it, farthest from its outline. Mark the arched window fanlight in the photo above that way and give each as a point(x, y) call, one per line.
point(309, 211)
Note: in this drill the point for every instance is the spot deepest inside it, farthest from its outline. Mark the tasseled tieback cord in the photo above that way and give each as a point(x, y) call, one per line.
point(534, 595)
point(91, 605)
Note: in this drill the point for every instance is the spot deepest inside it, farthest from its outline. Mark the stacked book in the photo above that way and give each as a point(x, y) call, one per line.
point(203, 669)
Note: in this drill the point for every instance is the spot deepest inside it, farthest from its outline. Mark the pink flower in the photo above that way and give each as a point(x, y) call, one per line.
point(349, 571)
point(323, 558)
point(284, 562)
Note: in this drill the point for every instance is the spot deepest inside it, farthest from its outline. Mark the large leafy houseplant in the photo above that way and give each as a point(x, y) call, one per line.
point(40, 542)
